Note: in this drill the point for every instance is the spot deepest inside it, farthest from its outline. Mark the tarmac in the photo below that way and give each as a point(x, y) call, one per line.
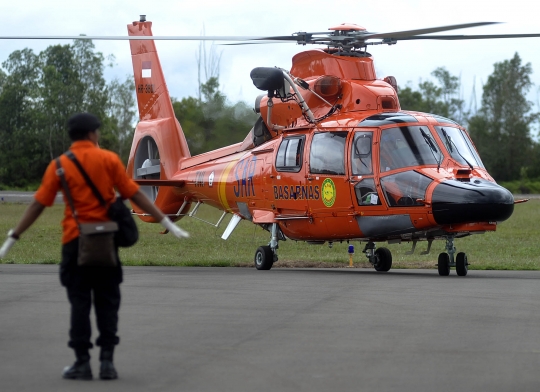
point(239, 329)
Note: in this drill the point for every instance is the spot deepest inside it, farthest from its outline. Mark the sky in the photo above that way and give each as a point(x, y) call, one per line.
point(408, 61)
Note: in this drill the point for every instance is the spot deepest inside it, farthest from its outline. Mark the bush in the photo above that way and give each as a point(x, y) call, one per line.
point(522, 186)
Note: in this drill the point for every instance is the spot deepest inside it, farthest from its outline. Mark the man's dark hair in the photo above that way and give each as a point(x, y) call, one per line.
point(81, 124)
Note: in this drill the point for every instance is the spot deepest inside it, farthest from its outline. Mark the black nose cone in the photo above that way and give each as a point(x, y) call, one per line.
point(476, 200)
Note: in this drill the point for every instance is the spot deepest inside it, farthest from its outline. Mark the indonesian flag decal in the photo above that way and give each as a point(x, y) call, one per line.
point(146, 69)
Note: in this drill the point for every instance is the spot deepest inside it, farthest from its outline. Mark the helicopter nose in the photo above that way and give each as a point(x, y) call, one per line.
point(476, 200)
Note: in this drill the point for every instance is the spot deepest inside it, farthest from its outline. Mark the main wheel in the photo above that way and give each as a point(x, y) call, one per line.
point(461, 264)
point(264, 258)
point(384, 260)
point(444, 264)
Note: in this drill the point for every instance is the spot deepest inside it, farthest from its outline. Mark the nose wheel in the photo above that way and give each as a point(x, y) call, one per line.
point(446, 260)
point(462, 265)
point(443, 264)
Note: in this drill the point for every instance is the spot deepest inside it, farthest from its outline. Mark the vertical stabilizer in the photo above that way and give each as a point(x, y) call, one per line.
point(159, 143)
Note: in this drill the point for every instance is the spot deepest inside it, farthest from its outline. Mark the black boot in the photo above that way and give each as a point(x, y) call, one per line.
point(81, 369)
point(107, 370)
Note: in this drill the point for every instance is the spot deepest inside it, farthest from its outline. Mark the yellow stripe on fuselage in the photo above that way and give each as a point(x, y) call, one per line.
point(223, 185)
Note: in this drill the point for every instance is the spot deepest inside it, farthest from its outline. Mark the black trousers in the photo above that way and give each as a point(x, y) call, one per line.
point(84, 284)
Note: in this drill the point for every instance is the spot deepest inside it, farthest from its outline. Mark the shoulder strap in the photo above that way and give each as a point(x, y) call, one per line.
point(72, 156)
point(60, 173)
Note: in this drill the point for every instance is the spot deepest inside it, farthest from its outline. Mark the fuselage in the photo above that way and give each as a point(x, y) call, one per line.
point(396, 175)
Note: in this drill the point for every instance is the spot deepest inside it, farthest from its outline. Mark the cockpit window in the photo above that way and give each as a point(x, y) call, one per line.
point(405, 189)
point(459, 146)
point(327, 154)
point(408, 146)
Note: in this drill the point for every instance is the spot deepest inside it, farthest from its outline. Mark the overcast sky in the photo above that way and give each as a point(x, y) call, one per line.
point(407, 61)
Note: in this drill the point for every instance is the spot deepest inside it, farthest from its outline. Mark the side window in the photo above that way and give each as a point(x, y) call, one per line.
point(289, 156)
point(361, 154)
point(366, 193)
point(327, 155)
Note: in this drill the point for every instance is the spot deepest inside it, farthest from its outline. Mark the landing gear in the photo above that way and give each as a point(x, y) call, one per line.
point(462, 266)
point(266, 256)
point(380, 258)
point(446, 260)
point(443, 264)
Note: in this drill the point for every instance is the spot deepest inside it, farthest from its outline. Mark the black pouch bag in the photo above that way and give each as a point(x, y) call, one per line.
point(128, 232)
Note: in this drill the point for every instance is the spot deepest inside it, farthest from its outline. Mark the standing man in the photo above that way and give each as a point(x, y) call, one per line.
point(107, 172)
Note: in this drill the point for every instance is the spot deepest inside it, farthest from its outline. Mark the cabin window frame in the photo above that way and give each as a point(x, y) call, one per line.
point(288, 155)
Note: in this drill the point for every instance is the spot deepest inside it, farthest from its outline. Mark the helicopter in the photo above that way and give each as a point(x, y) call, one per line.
point(332, 156)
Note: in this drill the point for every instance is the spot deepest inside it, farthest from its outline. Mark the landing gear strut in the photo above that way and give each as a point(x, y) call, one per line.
point(380, 258)
point(446, 260)
point(266, 256)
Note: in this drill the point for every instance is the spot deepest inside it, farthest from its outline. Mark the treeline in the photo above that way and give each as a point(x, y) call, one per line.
point(38, 92)
point(502, 128)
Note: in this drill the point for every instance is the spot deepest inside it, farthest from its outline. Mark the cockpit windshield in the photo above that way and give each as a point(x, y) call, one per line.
point(408, 146)
point(459, 146)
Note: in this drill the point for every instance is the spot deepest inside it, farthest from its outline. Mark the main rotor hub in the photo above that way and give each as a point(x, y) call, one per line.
point(348, 27)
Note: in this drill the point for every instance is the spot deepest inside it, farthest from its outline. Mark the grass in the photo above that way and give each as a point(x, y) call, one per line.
point(514, 246)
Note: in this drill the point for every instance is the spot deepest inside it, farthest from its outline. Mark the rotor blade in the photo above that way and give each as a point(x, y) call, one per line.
point(296, 37)
point(257, 42)
point(137, 38)
point(411, 33)
point(463, 37)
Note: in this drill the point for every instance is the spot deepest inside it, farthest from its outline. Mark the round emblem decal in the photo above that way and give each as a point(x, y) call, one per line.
point(328, 192)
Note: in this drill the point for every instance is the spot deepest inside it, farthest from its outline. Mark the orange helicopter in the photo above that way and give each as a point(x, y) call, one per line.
point(332, 156)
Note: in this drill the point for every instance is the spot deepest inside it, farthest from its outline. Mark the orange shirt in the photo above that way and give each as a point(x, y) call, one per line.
point(106, 171)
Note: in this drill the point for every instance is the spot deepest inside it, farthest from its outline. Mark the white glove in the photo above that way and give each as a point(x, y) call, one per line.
point(8, 243)
point(177, 232)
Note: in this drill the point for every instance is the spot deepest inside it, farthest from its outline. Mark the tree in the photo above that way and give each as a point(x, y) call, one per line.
point(61, 95)
point(207, 63)
point(121, 112)
point(501, 129)
point(190, 114)
point(20, 145)
point(90, 66)
point(38, 93)
point(441, 98)
point(212, 123)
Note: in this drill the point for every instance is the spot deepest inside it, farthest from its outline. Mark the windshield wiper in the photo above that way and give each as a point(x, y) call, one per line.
point(433, 148)
point(449, 139)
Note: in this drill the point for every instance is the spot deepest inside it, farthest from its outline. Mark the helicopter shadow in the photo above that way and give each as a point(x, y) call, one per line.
point(415, 273)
